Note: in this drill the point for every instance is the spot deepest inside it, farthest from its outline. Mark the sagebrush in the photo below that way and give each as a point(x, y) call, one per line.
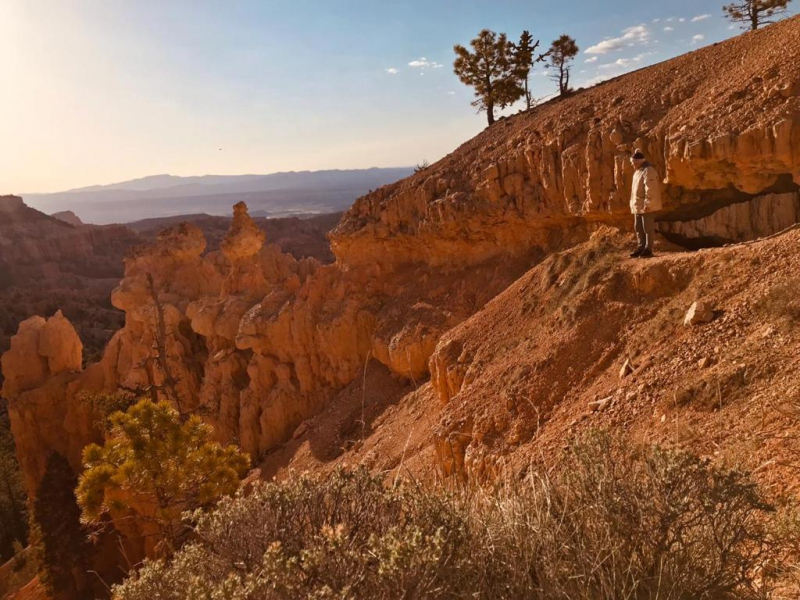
point(640, 525)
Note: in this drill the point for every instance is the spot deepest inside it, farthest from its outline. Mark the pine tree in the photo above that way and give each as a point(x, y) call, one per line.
point(754, 13)
point(13, 517)
point(490, 69)
point(523, 62)
point(562, 53)
point(154, 466)
point(58, 539)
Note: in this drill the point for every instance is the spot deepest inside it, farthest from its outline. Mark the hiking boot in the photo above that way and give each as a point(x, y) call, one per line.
point(636, 253)
point(646, 254)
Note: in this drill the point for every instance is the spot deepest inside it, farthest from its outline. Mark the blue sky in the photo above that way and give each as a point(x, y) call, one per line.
point(103, 91)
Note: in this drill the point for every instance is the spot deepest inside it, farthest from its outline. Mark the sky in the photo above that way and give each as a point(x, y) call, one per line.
point(100, 91)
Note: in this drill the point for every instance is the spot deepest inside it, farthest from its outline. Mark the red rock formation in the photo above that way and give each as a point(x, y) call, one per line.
point(68, 217)
point(46, 264)
point(43, 381)
point(719, 124)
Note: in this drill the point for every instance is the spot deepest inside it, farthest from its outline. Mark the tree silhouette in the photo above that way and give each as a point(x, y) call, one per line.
point(58, 539)
point(13, 517)
point(754, 13)
point(524, 61)
point(561, 54)
point(489, 68)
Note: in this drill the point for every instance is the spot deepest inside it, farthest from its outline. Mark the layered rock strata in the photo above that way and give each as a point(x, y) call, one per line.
point(717, 123)
point(759, 217)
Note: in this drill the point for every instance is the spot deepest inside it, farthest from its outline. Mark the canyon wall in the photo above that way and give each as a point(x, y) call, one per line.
point(259, 341)
point(721, 124)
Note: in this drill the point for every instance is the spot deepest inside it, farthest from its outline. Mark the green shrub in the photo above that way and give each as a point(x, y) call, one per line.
point(638, 525)
point(153, 466)
point(105, 405)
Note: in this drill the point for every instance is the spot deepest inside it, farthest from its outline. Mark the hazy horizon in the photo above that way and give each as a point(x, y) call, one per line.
point(109, 92)
point(203, 175)
point(276, 194)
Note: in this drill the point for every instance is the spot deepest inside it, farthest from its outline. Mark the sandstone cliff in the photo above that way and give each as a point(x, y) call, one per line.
point(260, 341)
point(721, 124)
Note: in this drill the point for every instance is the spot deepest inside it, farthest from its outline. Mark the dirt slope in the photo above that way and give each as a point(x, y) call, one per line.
point(541, 363)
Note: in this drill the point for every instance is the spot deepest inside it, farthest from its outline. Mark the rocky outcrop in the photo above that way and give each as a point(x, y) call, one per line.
point(43, 383)
point(718, 124)
point(68, 217)
point(759, 217)
point(47, 264)
point(10, 204)
point(257, 340)
point(583, 342)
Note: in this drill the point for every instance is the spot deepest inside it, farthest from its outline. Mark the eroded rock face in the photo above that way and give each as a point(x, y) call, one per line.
point(68, 217)
point(41, 349)
point(43, 381)
point(759, 217)
point(716, 123)
point(257, 341)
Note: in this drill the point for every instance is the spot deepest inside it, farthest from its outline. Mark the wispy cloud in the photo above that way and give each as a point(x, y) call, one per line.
point(700, 18)
point(669, 28)
point(698, 38)
point(593, 59)
point(392, 71)
point(424, 63)
point(631, 36)
point(625, 63)
point(598, 79)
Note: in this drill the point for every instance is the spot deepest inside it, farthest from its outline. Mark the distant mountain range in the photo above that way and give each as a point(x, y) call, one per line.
point(274, 195)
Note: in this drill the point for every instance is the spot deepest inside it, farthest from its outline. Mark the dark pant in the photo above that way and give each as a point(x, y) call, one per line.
point(645, 226)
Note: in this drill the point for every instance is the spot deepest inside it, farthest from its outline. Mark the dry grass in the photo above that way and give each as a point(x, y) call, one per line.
point(782, 302)
point(633, 525)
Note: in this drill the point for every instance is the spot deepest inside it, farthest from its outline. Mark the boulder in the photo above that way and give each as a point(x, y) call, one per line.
point(699, 312)
point(626, 369)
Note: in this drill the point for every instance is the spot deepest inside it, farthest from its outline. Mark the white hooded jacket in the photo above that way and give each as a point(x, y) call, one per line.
point(646, 190)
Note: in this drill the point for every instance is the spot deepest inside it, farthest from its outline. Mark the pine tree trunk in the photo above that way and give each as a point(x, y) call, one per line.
point(527, 95)
point(17, 526)
point(490, 112)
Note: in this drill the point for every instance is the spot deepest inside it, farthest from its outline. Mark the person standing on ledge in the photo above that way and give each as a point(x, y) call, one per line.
point(645, 203)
